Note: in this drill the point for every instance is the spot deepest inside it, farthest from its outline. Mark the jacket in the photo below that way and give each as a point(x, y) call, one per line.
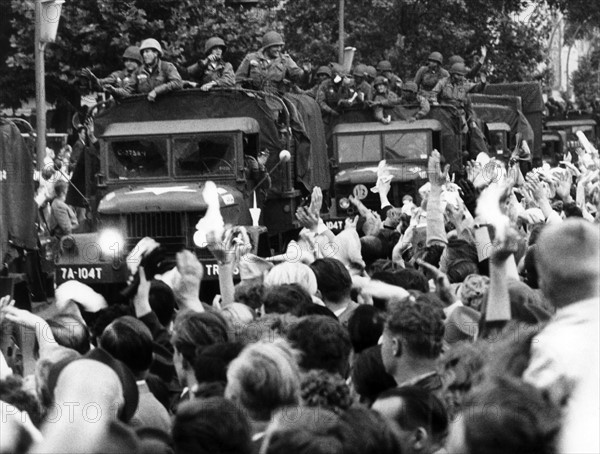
point(268, 74)
point(162, 78)
point(219, 71)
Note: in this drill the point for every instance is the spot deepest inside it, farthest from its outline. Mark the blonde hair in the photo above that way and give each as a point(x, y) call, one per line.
point(292, 273)
point(264, 378)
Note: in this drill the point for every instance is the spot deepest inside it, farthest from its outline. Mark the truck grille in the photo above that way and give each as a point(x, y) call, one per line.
point(155, 225)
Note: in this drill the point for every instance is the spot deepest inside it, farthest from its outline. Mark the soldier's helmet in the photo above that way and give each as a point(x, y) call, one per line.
point(380, 80)
point(455, 59)
point(272, 39)
point(336, 68)
point(326, 70)
point(384, 65)
point(151, 43)
point(410, 86)
point(458, 68)
point(371, 72)
point(360, 70)
point(436, 56)
point(213, 42)
point(132, 53)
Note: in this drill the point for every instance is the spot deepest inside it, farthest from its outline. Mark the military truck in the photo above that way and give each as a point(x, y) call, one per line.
point(570, 125)
point(359, 143)
point(154, 159)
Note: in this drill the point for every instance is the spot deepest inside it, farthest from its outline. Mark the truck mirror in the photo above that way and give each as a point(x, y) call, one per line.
point(100, 180)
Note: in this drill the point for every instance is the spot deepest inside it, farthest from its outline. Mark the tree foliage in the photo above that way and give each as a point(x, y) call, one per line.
point(586, 79)
point(94, 33)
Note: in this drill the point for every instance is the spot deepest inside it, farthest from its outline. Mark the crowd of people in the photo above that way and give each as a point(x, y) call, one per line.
point(464, 323)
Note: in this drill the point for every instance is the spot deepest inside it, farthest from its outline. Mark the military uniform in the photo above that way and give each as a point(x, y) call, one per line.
point(332, 96)
point(163, 77)
point(365, 91)
point(426, 79)
point(267, 74)
point(118, 79)
point(449, 92)
point(421, 101)
point(381, 101)
point(220, 72)
point(394, 82)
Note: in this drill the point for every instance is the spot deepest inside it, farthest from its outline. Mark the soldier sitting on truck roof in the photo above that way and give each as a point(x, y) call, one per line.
point(474, 71)
point(269, 69)
point(334, 93)
point(383, 98)
point(212, 71)
point(155, 77)
point(384, 68)
point(116, 83)
point(428, 76)
point(362, 87)
point(323, 74)
point(410, 97)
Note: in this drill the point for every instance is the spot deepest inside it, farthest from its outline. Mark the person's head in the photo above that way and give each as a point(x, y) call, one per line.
point(419, 415)
point(567, 261)
point(60, 189)
point(458, 71)
point(435, 60)
point(407, 278)
point(322, 389)
point(70, 332)
point(457, 250)
point(323, 342)
point(286, 299)
point(369, 376)
point(364, 431)
point(409, 92)
point(333, 280)
point(215, 46)
point(210, 363)
point(505, 415)
point(380, 84)
point(292, 273)
point(372, 249)
point(272, 44)
point(414, 331)
point(151, 51)
point(365, 327)
point(191, 330)
point(250, 294)
point(208, 426)
point(324, 73)
point(13, 393)
point(42, 370)
point(162, 302)
point(132, 58)
point(130, 341)
point(273, 366)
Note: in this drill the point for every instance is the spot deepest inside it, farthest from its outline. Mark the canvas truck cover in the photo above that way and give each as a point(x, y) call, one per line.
point(514, 118)
point(18, 210)
point(532, 105)
point(197, 104)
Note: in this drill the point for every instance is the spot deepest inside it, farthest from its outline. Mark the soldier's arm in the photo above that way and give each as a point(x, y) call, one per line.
point(197, 69)
point(111, 79)
point(292, 70)
point(425, 108)
point(321, 100)
point(419, 76)
point(174, 81)
point(391, 100)
point(438, 89)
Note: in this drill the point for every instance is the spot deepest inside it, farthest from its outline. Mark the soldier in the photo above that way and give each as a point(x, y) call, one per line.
point(117, 81)
point(362, 87)
point(471, 73)
point(384, 68)
point(323, 74)
point(371, 74)
point(410, 97)
point(454, 90)
point(269, 69)
point(213, 71)
point(428, 76)
point(334, 94)
point(382, 98)
point(155, 77)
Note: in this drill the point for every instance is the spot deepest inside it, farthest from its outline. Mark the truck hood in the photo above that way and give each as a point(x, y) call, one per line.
point(399, 172)
point(164, 197)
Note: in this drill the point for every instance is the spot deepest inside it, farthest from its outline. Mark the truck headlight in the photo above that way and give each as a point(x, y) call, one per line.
point(112, 243)
point(344, 203)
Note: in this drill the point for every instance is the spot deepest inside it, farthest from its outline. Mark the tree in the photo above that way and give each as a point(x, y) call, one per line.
point(586, 79)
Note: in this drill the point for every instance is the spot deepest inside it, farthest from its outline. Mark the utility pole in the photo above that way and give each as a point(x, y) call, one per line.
point(341, 32)
point(47, 15)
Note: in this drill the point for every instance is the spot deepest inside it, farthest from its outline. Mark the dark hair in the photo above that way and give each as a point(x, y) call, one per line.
point(193, 329)
point(509, 415)
point(383, 265)
point(159, 389)
point(419, 320)
point(70, 332)
point(322, 389)
point(365, 431)
point(572, 210)
point(461, 249)
point(286, 299)
point(105, 317)
point(333, 279)
point(162, 302)
point(459, 269)
point(419, 408)
point(324, 343)
point(211, 361)
point(372, 249)
point(249, 294)
point(432, 254)
point(408, 279)
point(12, 393)
point(369, 375)
point(213, 425)
point(365, 327)
point(130, 341)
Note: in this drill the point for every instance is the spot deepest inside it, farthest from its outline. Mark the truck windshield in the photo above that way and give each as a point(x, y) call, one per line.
point(146, 158)
point(406, 146)
point(206, 154)
point(359, 148)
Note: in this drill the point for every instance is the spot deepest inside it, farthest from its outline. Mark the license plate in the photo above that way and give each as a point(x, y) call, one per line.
point(80, 273)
